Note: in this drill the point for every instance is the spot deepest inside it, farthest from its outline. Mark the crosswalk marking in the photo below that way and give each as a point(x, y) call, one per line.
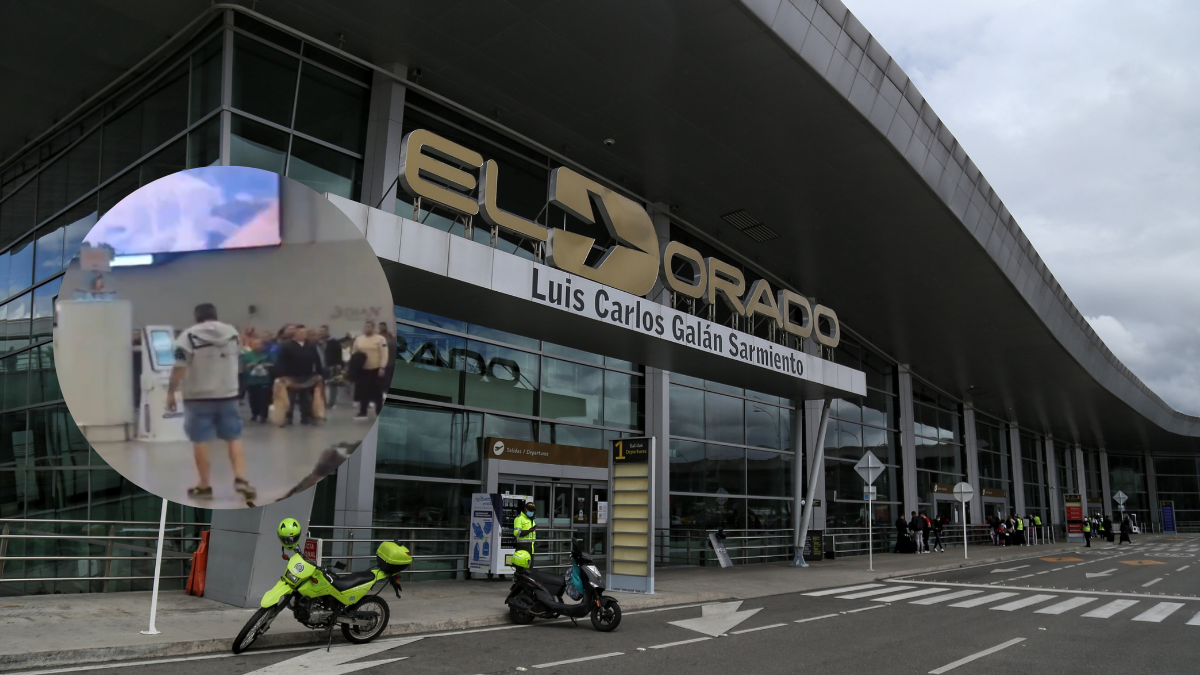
point(975, 602)
point(1195, 620)
point(876, 591)
point(1065, 605)
point(1106, 611)
point(1158, 612)
point(910, 594)
point(943, 598)
point(1023, 602)
point(847, 589)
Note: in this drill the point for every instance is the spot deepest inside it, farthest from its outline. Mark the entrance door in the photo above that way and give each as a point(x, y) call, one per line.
point(565, 509)
point(994, 507)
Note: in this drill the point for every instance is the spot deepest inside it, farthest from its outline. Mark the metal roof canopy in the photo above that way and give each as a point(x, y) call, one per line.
point(713, 111)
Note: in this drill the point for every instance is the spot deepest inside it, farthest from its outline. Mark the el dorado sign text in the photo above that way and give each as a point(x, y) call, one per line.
point(458, 178)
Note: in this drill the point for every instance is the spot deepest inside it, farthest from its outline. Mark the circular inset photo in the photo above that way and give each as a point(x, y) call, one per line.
point(221, 339)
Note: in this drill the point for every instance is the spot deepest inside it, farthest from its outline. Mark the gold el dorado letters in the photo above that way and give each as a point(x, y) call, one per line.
point(442, 171)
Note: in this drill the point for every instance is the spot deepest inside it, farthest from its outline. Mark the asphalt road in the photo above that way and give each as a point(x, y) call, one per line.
point(1138, 613)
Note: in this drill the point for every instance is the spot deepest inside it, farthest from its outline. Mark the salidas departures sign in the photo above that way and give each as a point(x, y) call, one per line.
point(445, 172)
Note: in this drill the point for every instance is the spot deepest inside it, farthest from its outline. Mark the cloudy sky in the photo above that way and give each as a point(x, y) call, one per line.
point(1085, 117)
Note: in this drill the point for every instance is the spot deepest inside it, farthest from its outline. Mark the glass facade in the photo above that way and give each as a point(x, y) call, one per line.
point(941, 451)
point(995, 466)
point(730, 456)
point(856, 427)
point(1127, 473)
point(1178, 480)
point(457, 383)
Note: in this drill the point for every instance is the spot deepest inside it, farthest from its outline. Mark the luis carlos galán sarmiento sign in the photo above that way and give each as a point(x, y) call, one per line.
point(458, 178)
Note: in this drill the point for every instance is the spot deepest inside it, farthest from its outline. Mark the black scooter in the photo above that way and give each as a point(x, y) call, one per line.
point(538, 594)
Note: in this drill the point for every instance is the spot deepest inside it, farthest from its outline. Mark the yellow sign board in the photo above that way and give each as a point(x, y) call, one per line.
point(1142, 562)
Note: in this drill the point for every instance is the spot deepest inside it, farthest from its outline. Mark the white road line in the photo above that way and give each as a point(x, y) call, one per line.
point(975, 602)
point(877, 591)
point(1152, 582)
point(1065, 606)
point(816, 618)
point(471, 630)
point(910, 594)
point(131, 664)
point(1158, 612)
point(1106, 611)
point(1023, 602)
point(1183, 568)
point(681, 642)
point(666, 609)
point(585, 658)
point(1195, 620)
point(943, 598)
point(977, 655)
point(751, 630)
point(997, 585)
point(863, 609)
point(847, 589)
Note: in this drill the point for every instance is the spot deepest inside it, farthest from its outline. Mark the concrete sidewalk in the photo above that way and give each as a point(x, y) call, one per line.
point(40, 631)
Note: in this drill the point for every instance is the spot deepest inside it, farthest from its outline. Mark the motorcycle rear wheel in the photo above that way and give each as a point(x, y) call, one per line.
point(362, 635)
point(606, 618)
point(255, 627)
point(519, 616)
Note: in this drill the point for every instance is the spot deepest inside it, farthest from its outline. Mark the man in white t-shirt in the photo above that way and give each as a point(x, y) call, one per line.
point(206, 365)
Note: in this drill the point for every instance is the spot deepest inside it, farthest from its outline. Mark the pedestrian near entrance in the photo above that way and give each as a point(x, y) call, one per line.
point(207, 357)
point(939, 524)
point(1087, 534)
point(369, 370)
point(914, 525)
point(1020, 531)
point(525, 529)
point(901, 534)
point(1126, 529)
point(1108, 529)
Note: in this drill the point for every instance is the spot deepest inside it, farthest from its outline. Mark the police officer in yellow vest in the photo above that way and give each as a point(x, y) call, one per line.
point(524, 529)
point(1020, 531)
point(1087, 533)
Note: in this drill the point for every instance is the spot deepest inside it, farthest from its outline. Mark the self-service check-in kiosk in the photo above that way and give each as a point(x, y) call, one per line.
point(155, 422)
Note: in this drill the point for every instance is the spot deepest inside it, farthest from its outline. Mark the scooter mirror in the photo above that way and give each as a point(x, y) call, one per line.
point(339, 565)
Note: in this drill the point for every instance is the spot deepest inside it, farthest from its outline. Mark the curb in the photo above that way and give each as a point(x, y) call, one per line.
point(293, 638)
point(11, 662)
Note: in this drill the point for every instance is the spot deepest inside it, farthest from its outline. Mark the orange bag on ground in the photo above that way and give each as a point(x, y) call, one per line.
point(199, 571)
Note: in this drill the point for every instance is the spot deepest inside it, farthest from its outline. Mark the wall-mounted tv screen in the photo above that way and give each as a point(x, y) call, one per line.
point(206, 209)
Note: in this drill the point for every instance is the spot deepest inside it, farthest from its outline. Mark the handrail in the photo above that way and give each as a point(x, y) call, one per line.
point(348, 554)
point(28, 532)
point(668, 551)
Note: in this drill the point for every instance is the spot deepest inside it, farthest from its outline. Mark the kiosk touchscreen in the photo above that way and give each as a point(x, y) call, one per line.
point(155, 422)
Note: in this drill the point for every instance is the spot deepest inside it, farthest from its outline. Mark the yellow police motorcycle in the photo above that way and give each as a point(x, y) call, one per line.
point(323, 599)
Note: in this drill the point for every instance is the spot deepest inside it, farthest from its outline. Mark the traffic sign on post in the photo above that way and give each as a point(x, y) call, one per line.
point(1120, 498)
point(963, 492)
point(869, 467)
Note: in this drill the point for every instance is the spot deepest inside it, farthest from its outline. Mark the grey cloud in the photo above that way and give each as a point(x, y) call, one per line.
point(1085, 116)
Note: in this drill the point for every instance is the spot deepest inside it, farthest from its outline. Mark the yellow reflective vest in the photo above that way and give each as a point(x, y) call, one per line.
point(524, 523)
point(1087, 527)
point(1037, 521)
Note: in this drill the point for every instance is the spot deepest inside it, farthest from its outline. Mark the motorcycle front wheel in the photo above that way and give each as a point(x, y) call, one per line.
point(606, 618)
point(363, 634)
point(255, 627)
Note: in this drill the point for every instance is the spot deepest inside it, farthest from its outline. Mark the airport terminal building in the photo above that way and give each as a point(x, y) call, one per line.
point(696, 222)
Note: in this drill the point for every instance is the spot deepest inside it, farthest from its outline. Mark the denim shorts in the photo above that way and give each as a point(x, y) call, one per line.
point(204, 420)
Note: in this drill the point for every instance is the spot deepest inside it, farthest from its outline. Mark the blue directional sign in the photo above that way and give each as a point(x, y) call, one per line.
point(1168, 516)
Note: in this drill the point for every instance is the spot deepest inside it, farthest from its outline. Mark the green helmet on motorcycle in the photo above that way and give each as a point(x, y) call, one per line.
point(522, 559)
point(289, 532)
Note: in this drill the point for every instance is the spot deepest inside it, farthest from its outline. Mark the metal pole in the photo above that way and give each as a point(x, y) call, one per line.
point(964, 514)
point(817, 465)
point(870, 536)
point(162, 527)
